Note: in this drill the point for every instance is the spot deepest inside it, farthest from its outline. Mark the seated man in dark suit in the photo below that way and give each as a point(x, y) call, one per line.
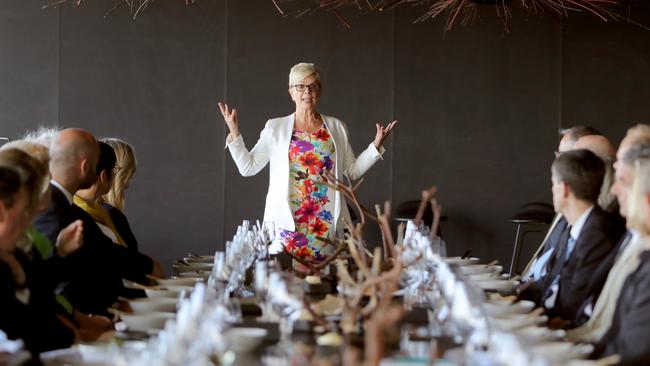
point(577, 177)
point(96, 270)
point(536, 267)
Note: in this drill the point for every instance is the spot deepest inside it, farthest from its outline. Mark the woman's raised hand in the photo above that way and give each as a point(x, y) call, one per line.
point(70, 239)
point(383, 132)
point(230, 116)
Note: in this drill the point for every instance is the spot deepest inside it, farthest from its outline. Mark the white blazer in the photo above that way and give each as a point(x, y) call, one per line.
point(273, 147)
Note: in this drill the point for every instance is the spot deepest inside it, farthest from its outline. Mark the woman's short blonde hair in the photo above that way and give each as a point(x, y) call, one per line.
point(126, 166)
point(30, 171)
point(37, 151)
point(301, 71)
point(638, 206)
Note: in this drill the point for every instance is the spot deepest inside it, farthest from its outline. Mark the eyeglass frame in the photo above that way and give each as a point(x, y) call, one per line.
point(313, 87)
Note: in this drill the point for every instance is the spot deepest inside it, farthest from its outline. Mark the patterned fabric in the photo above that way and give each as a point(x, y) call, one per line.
point(311, 154)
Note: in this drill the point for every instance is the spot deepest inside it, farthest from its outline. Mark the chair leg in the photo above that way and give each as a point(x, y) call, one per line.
point(514, 252)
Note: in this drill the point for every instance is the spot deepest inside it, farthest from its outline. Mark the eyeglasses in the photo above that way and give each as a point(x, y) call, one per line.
point(315, 87)
point(116, 169)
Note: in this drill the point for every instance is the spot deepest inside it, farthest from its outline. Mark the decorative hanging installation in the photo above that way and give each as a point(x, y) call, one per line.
point(135, 6)
point(456, 11)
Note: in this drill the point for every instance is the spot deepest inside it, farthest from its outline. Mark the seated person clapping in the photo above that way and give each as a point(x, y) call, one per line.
point(46, 259)
point(28, 312)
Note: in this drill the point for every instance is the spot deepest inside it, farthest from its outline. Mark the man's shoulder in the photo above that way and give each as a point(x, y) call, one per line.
point(602, 229)
point(610, 224)
point(58, 211)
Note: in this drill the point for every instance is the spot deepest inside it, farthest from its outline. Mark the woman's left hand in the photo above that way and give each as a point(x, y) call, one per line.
point(383, 132)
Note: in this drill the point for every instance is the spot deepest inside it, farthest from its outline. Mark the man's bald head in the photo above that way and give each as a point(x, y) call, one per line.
point(74, 154)
point(571, 135)
point(637, 135)
point(599, 145)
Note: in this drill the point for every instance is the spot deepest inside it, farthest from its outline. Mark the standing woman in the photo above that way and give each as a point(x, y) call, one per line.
point(301, 147)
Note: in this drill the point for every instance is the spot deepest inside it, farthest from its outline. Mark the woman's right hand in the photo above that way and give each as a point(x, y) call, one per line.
point(70, 239)
point(230, 116)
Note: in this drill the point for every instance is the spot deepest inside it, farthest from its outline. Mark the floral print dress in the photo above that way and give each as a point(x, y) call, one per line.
point(311, 154)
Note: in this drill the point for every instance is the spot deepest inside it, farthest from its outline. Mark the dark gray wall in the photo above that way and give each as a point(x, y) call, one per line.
point(478, 108)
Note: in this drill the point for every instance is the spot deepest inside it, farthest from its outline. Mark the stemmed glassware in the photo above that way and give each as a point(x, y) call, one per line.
point(286, 300)
point(261, 282)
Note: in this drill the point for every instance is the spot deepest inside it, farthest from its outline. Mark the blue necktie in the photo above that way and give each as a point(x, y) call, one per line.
point(571, 243)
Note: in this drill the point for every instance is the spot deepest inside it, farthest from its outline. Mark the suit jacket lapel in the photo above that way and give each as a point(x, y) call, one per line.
point(559, 259)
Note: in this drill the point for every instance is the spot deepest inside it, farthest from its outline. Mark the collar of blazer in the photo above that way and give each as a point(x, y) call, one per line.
point(334, 127)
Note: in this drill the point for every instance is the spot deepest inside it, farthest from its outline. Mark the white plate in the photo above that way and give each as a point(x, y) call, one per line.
point(462, 261)
point(192, 267)
point(484, 276)
point(168, 291)
point(184, 281)
point(200, 259)
point(535, 334)
point(500, 308)
point(195, 274)
point(516, 321)
point(471, 269)
point(497, 285)
point(560, 352)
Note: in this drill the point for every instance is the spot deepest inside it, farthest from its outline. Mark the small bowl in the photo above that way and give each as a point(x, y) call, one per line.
point(146, 322)
point(244, 339)
point(147, 305)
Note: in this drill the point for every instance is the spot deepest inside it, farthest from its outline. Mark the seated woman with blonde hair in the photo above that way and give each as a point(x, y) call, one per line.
point(89, 201)
point(114, 200)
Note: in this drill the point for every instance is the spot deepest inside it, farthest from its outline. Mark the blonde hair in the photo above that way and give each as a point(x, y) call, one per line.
point(29, 170)
point(302, 70)
point(638, 210)
point(37, 151)
point(126, 167)
point(606, 200)
point(638, 135)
